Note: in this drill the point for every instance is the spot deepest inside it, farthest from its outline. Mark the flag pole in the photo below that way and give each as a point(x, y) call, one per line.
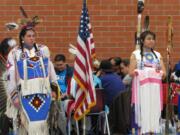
point(84, 118)
point(85, 89)
point(85, 1)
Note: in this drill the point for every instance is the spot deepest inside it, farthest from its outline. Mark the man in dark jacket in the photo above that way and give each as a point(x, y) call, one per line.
point(113, 86)
point(111, 82)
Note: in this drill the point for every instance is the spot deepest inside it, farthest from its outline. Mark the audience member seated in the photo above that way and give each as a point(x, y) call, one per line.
point(115, 62)
point(112, 85)
point(125, 71)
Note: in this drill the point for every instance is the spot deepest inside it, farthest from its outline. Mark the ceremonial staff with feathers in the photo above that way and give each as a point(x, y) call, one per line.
point(169, 107)
point(140, 8)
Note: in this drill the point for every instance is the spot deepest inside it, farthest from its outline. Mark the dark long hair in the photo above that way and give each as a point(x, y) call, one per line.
point(22, 34)
point(4, 46)
point(142, 38)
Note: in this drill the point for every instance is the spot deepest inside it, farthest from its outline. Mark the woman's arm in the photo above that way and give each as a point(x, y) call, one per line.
point(12, 89)
point(133, 65)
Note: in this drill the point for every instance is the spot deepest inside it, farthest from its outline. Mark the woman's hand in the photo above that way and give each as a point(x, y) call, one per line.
point(135, 73)
point(163, 68)
point(16, 102)
point(63, 96)
point(54, 95)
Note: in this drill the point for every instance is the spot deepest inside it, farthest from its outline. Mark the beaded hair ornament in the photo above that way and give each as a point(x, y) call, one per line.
point(25, 22)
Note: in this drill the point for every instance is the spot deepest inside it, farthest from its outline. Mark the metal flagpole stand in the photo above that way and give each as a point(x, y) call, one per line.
point(84, 125)
point(77, 127)
point(107, 123)
point(69, 126)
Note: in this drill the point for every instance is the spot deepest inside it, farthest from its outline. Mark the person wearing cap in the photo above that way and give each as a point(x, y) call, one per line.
point(30, 74)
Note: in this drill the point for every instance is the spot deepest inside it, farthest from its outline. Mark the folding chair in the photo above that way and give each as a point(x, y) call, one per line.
point(101, 110)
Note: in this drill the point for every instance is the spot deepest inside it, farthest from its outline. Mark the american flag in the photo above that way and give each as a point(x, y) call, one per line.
point(85, 92)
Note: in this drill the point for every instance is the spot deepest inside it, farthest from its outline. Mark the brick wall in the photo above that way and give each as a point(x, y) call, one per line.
point(113, 21)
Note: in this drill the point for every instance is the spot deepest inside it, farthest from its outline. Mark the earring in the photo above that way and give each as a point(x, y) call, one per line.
point(22, 41)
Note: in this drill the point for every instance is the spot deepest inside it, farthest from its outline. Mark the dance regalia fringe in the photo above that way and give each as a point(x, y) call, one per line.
point(147, 95)
point(34, 71)
point(3, 84)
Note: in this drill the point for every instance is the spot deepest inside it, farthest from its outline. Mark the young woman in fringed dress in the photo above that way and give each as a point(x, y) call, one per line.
point(147, 69)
